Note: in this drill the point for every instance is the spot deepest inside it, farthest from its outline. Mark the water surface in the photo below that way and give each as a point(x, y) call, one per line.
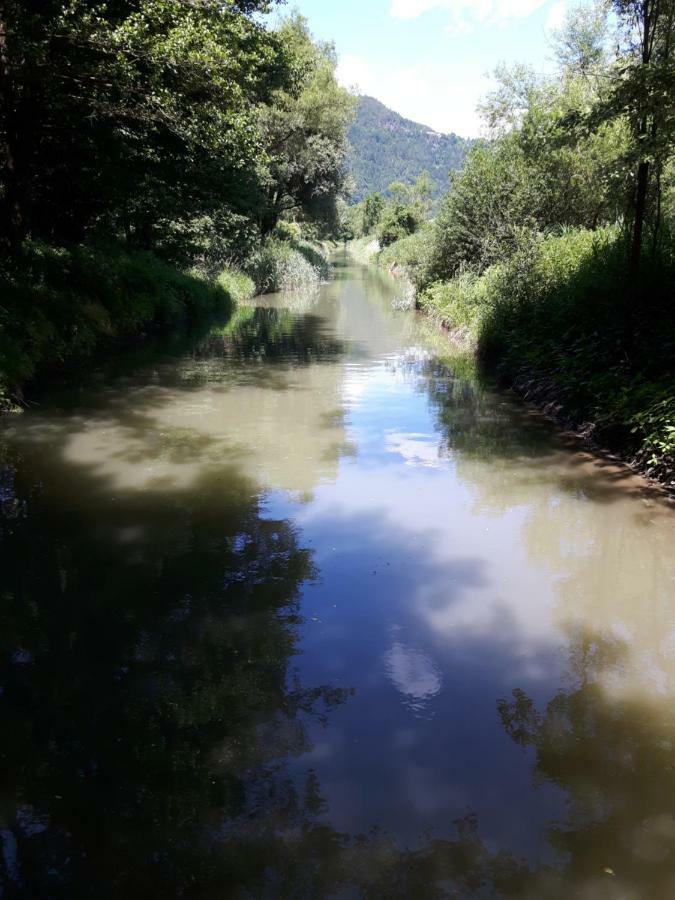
point(301, 611)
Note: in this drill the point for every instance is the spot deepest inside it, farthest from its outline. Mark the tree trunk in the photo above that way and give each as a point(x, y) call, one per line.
point(642, 184)
point(639, 221)
point(14, 224)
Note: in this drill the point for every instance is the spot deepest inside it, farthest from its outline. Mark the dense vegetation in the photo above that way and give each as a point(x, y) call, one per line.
point(387, 148)
point(135, 138)
point(403, 213)
point(554, 250)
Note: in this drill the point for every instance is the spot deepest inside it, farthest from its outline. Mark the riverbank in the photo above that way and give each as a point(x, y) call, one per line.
point(549, 323)
point(61, 305)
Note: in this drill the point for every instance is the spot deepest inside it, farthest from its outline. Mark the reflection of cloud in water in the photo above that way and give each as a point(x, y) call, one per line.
point(413, 674)
point(416, 449)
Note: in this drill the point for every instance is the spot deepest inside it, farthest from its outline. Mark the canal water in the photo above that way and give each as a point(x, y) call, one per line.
point(298, 607)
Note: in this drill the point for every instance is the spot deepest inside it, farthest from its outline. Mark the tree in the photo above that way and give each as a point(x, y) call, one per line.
point(644, 91)
point(580, 43)
point(122, 118)
point(371, 211)
point(304, 132)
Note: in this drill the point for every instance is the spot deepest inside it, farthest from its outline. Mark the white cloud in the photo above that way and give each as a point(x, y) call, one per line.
point(465, 14)
point(431, 93)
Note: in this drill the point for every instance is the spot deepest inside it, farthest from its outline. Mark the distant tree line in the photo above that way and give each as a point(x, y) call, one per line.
point(401, 213)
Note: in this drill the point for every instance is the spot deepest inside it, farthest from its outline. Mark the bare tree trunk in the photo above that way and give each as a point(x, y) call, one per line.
point(14, 225)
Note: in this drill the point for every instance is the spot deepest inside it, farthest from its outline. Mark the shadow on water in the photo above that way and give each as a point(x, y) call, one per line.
point(613, 757)
point(478, 423)
point(148, 694)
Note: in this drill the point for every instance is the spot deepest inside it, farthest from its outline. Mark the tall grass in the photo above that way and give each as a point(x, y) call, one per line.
point(556, 321)
point(59, 304)
point(282, 265)
point(408, 254)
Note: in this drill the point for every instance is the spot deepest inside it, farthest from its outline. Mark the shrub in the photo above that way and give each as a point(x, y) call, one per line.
point(397, 222)
point(554, 317)
point(236, 284)
point(463, 302)
point(280, 266)
point(60, 303)
point(409, 253)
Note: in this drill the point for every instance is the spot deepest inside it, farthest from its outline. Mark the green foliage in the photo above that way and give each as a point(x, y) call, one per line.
point(237, 285)
point(162, 97)
point(408, 253)
point(551, 319)
point(481, 220)
point(62, 304)
point(580, 43)
point(388, 148)
point(282, 266)
point(656, 426)
point(372, 209)
point(529, 249)
point(183, 128)
point(465, 301)
point(398, 221)
point(304, 132)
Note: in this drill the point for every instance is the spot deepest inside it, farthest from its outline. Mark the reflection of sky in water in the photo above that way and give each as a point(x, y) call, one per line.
point(431, 612)
point(440, 592)
point(413, 674)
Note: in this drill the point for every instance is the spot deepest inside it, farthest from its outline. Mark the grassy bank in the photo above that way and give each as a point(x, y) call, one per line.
point(60, 305)
point(560, 322)
point(551, 322)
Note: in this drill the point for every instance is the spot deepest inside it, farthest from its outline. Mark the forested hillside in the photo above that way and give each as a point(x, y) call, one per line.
point(385, 147)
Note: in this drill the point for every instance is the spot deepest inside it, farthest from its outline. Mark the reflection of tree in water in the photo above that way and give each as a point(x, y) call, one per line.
point(147, 695)
point(149, 705)
point(272, 333)
point(149, 708)
point(478, 423)
point(614, 757)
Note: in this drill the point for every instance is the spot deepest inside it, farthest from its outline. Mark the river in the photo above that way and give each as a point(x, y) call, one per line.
point(296, 609)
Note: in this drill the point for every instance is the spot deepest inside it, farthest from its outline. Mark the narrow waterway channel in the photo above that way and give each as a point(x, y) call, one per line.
point(301, 612)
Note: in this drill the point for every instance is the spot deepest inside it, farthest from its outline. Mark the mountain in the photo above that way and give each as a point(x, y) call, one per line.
point(386, 147)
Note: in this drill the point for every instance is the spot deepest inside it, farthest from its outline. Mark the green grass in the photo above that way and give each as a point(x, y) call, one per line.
point(288, 265)
point(558, 319)
point(407, 254)
point(61, 304)
point(364, 249)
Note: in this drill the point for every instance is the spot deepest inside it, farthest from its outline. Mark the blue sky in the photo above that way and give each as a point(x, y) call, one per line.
point(430, 60)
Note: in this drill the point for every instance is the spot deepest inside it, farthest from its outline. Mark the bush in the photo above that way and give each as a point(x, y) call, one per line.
point(409, 253)
point(397, 222)
point(554, 318)
point(238, 286)
point(463, 302)
point(281, 266)
point(61, 303)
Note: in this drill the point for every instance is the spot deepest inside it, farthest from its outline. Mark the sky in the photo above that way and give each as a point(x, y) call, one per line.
point(431, 60)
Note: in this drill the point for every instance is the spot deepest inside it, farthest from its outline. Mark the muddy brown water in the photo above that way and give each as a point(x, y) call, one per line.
point(301, 611)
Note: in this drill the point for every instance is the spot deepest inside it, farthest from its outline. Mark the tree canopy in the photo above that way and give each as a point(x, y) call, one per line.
point(163, 123)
